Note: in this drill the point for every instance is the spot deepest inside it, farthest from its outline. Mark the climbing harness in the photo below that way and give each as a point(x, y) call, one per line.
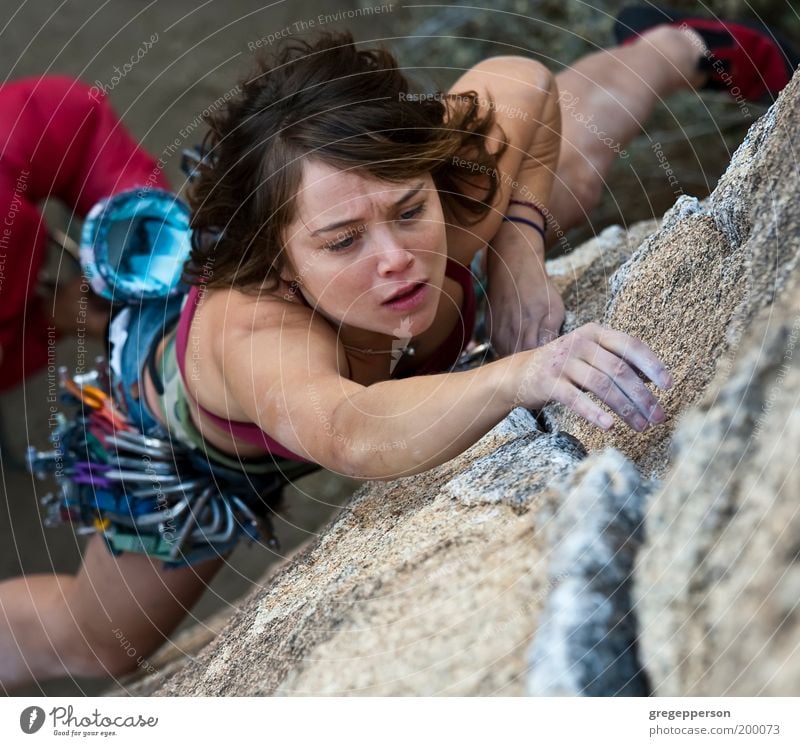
point(118, 471)
point(146, 494)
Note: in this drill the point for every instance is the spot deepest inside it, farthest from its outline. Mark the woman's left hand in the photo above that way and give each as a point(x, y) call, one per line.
point(526, 308)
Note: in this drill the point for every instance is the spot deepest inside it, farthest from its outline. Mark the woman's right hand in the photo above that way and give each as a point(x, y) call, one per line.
point(598, 360)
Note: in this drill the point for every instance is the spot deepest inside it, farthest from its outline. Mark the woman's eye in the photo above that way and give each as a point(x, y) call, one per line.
point(348, 242)
point(410, 214)
point(345, 244)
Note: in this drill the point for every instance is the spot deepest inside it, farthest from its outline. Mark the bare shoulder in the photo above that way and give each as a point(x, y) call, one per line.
point(512, 84)
point(241, 325)
point(281, 367)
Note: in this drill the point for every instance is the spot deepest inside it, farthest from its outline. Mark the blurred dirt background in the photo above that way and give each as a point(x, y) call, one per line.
point(202, 51)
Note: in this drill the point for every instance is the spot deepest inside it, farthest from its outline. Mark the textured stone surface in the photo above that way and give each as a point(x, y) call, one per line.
point(419, 587)
point(586, 640)
point(694, 286)
point(718, 582)
point(583, 275)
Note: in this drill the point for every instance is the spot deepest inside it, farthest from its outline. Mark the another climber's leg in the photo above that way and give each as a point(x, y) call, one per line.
point(104, 621)
point(606, 99)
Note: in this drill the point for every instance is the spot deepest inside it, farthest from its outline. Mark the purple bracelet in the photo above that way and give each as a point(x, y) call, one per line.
point(532, 205)
point(515, 219)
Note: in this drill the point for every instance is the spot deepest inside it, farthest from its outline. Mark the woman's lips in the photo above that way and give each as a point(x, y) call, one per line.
point(409, 300)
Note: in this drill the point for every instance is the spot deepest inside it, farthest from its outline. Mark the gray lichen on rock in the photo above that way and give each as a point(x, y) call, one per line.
point(500, 478)
point(587, 637)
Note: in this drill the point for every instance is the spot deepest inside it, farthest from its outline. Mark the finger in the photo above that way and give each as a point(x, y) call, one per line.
point(637, 353)
point(548, 331)
point(532, 333)
point(500, 343)
point(580, 403)
point(596, 382)
point(628, 381)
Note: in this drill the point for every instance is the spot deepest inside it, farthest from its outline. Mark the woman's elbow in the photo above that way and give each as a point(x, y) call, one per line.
point(535, 81)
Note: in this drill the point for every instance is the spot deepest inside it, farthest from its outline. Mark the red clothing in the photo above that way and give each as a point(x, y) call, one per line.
point(56, 140)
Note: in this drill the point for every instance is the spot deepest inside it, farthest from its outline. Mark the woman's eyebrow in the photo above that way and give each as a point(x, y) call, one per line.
point(342, 223)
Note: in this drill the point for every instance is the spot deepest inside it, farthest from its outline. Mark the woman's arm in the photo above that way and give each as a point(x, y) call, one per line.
point(404, 427)
point(527, 310)
point(290, 376)
point(400, 428)
point(521, 94)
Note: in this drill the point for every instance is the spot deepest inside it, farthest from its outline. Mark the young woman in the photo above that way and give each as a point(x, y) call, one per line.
point(334, 225)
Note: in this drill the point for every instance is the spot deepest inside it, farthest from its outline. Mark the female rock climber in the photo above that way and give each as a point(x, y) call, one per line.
point(334, 221)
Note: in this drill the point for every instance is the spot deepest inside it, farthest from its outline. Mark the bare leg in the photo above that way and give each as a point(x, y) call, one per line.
point(101, 622)
point(605, 99)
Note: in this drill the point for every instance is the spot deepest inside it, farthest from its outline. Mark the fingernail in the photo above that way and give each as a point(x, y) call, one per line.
point(639, 423)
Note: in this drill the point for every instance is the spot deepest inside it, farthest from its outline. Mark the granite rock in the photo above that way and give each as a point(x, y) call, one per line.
point(407, 590)
point(717, 582)
point(692, 288)
point(587, 638)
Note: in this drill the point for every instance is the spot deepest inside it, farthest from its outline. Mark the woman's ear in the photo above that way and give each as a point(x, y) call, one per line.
point(287, 272)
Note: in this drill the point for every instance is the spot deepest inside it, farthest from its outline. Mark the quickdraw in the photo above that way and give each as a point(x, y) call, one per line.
point(144, 494)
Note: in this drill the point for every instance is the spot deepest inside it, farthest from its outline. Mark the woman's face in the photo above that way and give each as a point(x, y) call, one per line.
point(356, 241)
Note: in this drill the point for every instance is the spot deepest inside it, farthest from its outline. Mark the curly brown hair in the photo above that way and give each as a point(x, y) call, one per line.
point(350, 109)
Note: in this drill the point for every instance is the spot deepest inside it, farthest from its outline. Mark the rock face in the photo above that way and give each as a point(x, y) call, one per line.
point(570, 561)
point(427, 575)
point(693, 287)
point(718, 581)
point(586, 640)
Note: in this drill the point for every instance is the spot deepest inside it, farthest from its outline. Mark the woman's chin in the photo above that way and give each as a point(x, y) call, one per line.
point(404, 326)
point(424, 322)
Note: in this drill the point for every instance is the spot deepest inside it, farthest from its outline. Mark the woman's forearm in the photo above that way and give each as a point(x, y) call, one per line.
point(526, 308)
point(534, 179)
point(524, 99)
point(402, 427)
point(538, 138)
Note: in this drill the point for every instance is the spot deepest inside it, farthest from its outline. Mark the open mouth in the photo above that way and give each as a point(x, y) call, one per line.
point(406, 294)
point(409, 298)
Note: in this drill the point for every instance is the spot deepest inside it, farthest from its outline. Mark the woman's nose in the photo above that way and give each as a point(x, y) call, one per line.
point(393, 257)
